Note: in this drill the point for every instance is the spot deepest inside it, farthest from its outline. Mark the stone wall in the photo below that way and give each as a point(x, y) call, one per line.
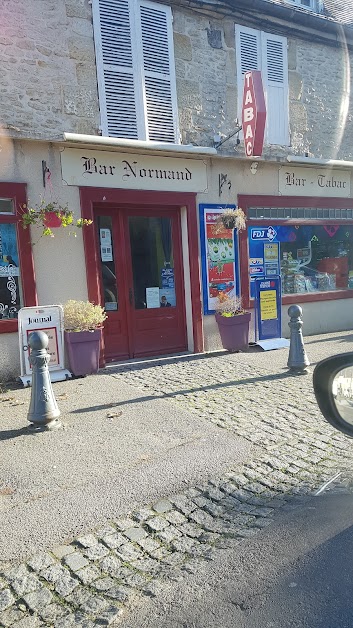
point(49, 82)
point(319, 86)
point(47, 59)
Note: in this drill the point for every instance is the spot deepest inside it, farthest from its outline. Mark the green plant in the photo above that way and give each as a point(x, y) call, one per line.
point(83, 316)
point(228, 306)
point(230, 219)
point(38, 215)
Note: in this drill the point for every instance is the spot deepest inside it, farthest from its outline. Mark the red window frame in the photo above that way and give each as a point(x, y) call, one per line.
point(247, 202)
point(17, 193)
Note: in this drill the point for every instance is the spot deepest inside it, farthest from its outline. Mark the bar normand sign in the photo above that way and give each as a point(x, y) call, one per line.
point(131, 171)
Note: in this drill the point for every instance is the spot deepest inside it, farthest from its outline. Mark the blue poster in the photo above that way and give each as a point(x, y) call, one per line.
point(167, 277)
point(8, 245)
point(268, 308)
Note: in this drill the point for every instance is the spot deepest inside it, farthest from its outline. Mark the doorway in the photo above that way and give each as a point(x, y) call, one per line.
point(141, 281)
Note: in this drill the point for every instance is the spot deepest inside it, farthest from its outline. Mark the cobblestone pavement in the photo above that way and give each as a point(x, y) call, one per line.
point(91, 580)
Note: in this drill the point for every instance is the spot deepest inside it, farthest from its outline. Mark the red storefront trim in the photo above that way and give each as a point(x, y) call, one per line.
point(98, 197)
point(17, 192)
point(246, 202)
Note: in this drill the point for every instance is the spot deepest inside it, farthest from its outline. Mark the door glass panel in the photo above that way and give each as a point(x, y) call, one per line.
point(152, 262)
point(107, 264)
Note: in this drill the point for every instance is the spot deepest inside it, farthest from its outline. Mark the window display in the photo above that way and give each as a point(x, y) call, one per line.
point(10, 287)
point(309, 258)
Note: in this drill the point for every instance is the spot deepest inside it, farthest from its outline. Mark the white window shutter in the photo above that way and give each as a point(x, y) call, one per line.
point(115, 68)
point(135, 69)
point(248, 52)
point(248, 57)
point(275, 72)
point(159, 86)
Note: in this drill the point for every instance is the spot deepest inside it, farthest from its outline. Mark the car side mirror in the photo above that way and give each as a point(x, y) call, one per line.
point(333, 386)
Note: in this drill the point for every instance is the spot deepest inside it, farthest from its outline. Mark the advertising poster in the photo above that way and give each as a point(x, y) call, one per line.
point(167, 297)
point(167, 277)
point(53, 348)
point(106, 245)
point(264, 252)
point(268, 308)
point(219, 257)
point(152, 297)
point(9, 272)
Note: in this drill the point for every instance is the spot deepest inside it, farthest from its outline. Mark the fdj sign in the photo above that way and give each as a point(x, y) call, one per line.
point(253, 114)
point(268, 233)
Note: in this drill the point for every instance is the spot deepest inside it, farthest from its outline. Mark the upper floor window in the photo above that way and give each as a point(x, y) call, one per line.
point(314, 5)
point(256, 50)
point(136, 71)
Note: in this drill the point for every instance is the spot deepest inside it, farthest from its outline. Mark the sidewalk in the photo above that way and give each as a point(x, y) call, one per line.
point(152, 433)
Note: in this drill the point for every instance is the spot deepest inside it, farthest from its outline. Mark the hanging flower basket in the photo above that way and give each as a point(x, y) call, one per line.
point(53, 220)
point(230, 219)
point(50, 216)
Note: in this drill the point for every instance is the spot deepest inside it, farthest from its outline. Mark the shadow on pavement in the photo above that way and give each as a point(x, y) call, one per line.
point(186, 391)
point(345, 338)
point(9, 434)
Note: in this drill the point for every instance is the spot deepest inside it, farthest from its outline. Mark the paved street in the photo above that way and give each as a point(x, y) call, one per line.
point(160, 468)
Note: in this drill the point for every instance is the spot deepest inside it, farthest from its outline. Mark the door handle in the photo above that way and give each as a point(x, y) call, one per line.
point(130, 295)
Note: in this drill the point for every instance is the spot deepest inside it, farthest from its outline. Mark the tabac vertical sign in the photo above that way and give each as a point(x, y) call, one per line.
point(253, 114)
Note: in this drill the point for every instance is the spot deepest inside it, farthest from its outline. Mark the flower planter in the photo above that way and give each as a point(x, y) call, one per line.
point(229, 222)
point(52, 220)
point(234, 331)
point(83, 348)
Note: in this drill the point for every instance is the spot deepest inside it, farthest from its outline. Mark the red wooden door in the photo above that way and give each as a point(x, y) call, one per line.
point(142, 283)
point(110, 256)
point(155, 280)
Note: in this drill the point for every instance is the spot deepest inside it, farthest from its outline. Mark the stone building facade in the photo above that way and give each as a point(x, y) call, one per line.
point(49, 81)
point(49, 88)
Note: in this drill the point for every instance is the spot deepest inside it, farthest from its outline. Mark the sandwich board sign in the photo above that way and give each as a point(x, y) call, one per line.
point(50, 319)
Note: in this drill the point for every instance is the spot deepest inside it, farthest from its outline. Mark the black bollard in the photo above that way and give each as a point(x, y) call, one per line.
point(43, 410)
point(297, 359)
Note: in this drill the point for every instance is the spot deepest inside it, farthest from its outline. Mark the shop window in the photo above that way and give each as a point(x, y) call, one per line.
point(16, 267)
point(257, 50)
point(309, 258)
point(136, 70)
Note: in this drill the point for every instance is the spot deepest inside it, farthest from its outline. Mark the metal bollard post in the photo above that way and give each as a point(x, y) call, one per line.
point(297, 359)
point(43, 410)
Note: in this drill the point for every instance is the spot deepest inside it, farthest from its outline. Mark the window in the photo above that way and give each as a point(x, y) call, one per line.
point(306, 4)
point(135, 67)
point(257, 50)
point(17, 286)
point(310, 258)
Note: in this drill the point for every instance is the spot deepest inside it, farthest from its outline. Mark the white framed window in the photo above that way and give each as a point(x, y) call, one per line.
point(136, 70)
point(257, 50)
point(313, 5)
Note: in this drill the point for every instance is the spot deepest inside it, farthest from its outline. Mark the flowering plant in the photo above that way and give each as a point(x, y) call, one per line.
point(228, 306)
point(230, 219)
point(40, 214)
point(83, 316)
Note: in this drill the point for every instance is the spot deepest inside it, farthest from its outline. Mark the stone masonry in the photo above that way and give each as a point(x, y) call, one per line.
point(49, 82)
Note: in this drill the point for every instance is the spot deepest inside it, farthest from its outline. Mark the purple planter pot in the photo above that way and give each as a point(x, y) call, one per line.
point(83, 348)
point(234, 331)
